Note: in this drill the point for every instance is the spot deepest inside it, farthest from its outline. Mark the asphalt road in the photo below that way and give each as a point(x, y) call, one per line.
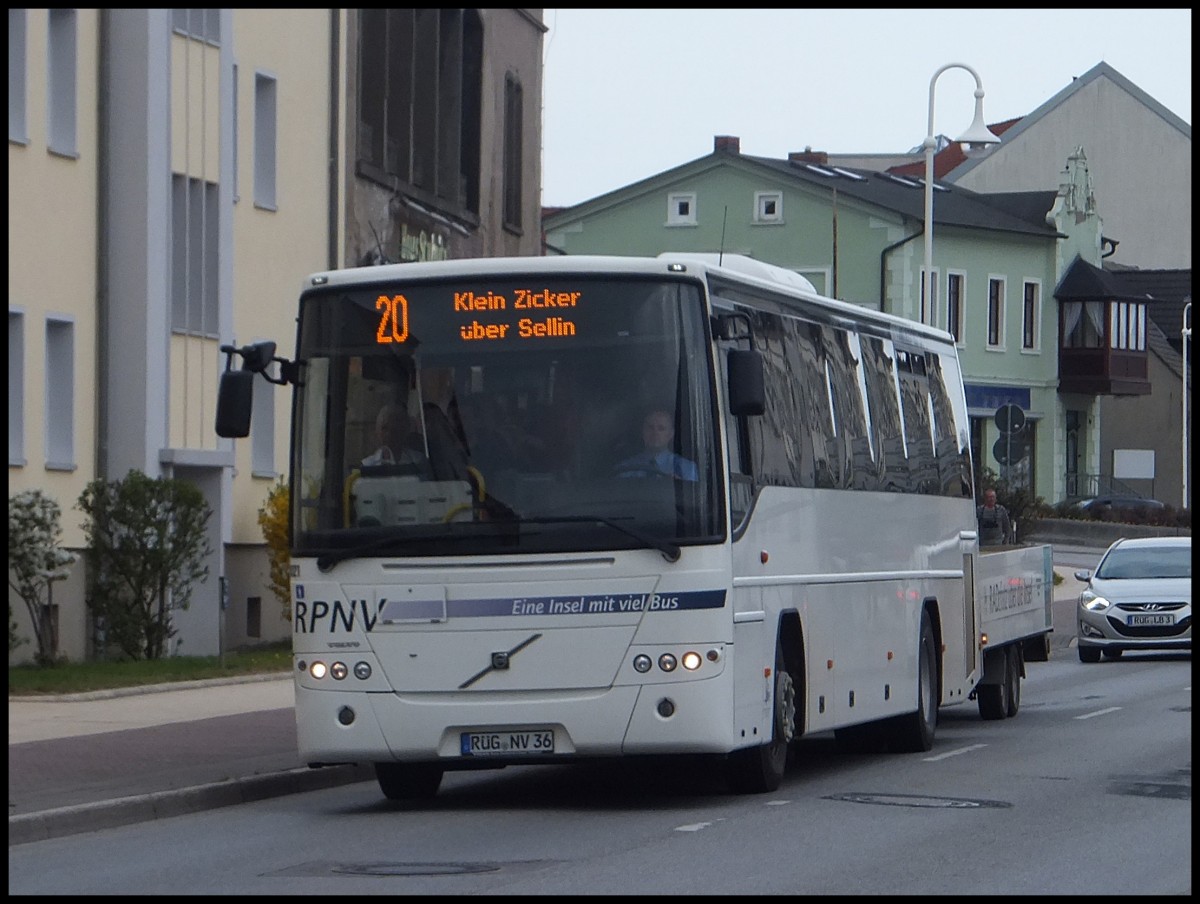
point(79, 763)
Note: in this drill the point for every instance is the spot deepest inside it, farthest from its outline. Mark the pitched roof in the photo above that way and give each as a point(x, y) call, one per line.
point(1019, 212)
point(953, 205)
point(949, 157)
point(1087, 282)
point(1100, 70)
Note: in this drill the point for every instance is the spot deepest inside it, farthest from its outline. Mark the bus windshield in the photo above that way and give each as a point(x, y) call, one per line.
point(497, 416)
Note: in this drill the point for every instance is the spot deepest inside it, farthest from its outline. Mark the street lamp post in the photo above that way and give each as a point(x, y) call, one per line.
point(976, 137)
point(1186, 334)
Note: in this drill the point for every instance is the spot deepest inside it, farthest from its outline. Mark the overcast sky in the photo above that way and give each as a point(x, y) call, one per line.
point(629, 93)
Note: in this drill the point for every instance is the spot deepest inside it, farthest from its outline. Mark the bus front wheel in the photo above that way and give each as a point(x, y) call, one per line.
point(913, 733)
point(756, 770)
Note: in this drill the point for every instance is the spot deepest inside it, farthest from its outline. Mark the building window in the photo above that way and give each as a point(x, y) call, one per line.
point(1031, 312)
point(420, 101)
point(202, 24)
point(514, 118)
point(254, 616)
point(60, 394)
point(16, 388)
point(1083, 324)
point(995, 313)
point(681, 209)
point(929, 307)
point(1127, 326)
point(954, 306)
point(17, 121)
point(262, 428)
point(821, 279)
point(264, 140)
point(193, 256)
point(60, 88)
point(768, 207)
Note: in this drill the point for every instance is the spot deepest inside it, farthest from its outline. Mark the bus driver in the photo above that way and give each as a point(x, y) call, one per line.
point(657, 458)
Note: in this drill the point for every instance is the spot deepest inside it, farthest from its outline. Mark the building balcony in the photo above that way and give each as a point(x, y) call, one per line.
point(1103, 371)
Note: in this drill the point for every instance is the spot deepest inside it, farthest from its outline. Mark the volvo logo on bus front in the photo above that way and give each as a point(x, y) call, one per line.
point(500, 660)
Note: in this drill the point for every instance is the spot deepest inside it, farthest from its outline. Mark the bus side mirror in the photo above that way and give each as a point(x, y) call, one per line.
point(235, 396)
point(747, 394)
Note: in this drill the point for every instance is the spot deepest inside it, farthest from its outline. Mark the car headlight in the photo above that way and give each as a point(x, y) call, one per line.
point(1094, 603)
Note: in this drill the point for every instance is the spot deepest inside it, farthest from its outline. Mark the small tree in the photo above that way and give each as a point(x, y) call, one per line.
point(147, 542)
point(273, 519)
point(35, 560)
point(15, 640)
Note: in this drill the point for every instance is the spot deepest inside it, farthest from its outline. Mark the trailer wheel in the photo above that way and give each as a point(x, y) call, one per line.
point(993, 699)
point(1014, 678)
point(913, 732)
point(408, 781)
point(756, 770)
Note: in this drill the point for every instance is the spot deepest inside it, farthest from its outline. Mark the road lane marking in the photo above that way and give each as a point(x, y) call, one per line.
point(1099, 712)
point(950, 753)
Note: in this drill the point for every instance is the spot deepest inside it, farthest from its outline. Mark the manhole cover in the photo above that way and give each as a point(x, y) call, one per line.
point(413, 869)
point(918, 800)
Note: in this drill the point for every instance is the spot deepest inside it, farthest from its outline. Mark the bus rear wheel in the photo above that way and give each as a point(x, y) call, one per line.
point(757, 770)
point(408, 781)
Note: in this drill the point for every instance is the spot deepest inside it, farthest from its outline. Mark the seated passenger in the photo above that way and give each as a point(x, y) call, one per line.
point(398, 444)
point(657, 458)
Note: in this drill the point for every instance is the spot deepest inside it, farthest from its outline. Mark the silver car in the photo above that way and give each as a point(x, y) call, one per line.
point(1139, 598)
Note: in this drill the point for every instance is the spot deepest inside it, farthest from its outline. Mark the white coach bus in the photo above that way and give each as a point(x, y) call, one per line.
point(672, 505)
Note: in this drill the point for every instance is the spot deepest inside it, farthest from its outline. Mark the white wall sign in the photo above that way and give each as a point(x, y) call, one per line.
point(1135, 464)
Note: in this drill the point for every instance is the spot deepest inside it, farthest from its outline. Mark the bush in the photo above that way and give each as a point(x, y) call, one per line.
point(35, 560)
point(1164, 517)
point(273, 519)
point(147, 542)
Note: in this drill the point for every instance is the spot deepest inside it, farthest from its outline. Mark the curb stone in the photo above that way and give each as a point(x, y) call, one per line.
point(123, 811)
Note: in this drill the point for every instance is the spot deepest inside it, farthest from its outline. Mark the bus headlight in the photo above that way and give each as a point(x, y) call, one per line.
point(691, 660)
point(362, 670)
point(642, 662)
point(667, 662)
point(339, 671)
point(318, 670)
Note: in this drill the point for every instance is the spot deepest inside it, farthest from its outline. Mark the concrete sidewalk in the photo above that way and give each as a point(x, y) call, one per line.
point(81, 762)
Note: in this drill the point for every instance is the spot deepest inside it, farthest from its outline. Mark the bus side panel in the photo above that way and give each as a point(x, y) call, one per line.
point(754, 660)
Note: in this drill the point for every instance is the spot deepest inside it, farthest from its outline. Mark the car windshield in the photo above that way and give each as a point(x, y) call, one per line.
point(1147, 562)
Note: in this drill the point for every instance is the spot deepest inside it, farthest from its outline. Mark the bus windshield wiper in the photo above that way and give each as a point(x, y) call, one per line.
point(327, 560)
point(670, 551)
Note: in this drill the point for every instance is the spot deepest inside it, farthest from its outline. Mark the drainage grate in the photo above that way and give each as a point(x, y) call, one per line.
point(919, 800)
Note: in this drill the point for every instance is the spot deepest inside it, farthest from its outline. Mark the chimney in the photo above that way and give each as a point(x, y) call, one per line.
point(808, 155)
point(730, 143)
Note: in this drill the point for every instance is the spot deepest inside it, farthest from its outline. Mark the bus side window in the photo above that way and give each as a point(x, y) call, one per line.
point(737, 451)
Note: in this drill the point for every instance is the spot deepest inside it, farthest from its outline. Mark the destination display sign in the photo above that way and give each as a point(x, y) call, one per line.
point(488, 316)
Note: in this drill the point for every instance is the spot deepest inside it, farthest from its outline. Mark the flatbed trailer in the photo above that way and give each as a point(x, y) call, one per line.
point(1014, 591)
